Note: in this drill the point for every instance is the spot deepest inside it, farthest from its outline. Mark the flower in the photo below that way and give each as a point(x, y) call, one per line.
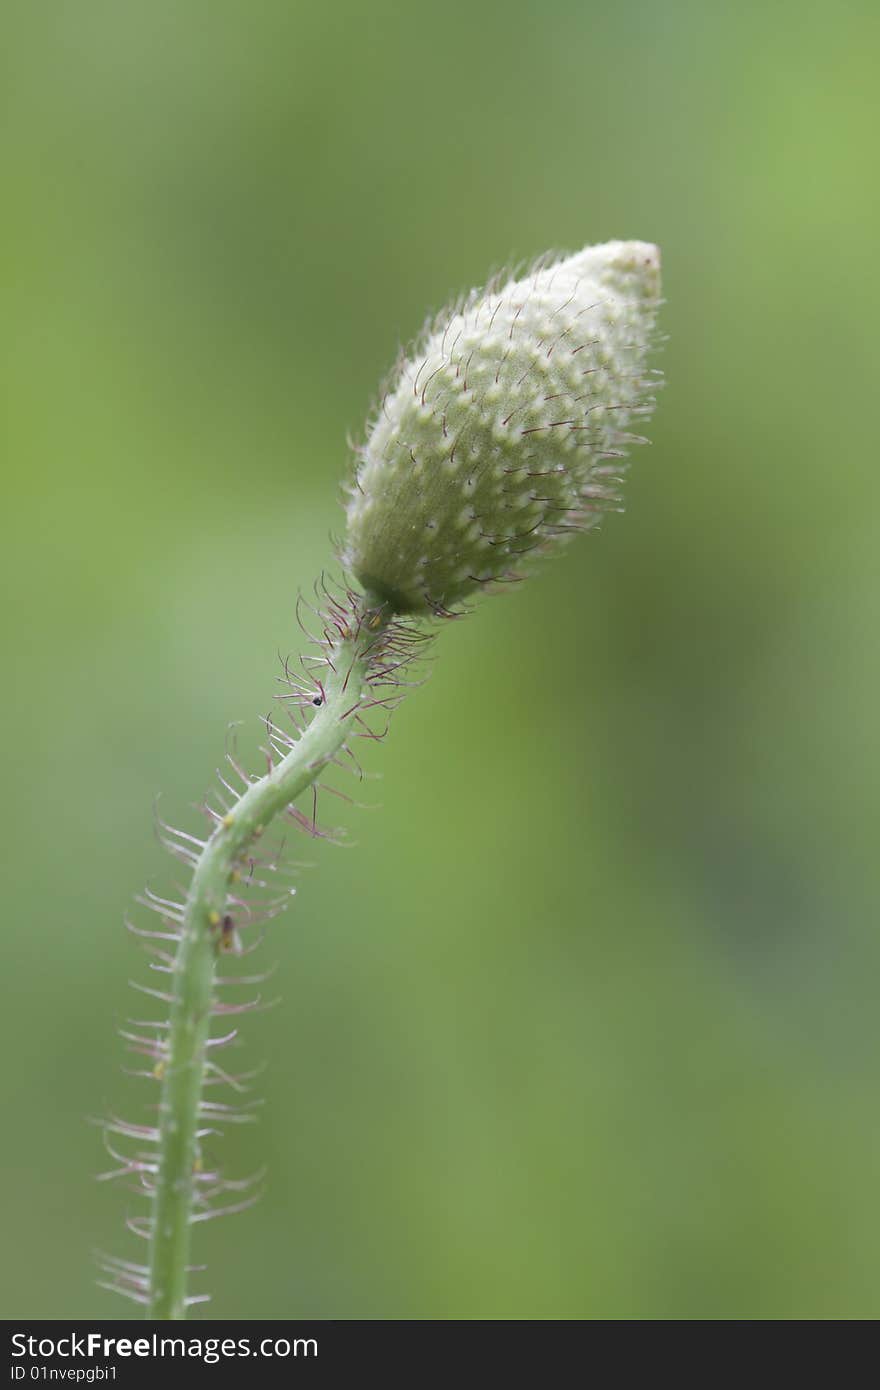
point(505, 428)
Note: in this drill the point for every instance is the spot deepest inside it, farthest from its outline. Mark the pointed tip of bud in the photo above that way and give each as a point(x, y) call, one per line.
point(503, 430)
point(631, 266)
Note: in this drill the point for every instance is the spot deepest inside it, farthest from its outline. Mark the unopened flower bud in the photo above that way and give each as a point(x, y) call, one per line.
point(505, 429)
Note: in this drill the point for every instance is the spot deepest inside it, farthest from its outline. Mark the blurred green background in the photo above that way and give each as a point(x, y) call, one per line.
point(584, 1025)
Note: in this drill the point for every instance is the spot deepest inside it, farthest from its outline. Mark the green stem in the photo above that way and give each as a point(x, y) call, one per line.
point(193, 975)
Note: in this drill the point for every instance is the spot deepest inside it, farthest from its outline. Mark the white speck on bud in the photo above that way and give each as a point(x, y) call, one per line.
point(505, 429)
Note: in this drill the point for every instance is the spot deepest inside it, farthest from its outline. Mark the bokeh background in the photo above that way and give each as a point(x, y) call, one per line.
point(584, 1024)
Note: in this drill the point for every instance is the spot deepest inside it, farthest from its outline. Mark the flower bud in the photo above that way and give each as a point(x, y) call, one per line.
point(504, 430)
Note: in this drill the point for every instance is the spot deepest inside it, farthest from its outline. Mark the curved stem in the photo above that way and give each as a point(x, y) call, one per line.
point(342, 689)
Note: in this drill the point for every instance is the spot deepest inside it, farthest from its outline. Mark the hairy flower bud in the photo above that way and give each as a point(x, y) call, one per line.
point(504, 430)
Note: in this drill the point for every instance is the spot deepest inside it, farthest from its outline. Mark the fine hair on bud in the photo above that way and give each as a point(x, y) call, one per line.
point(505, 429)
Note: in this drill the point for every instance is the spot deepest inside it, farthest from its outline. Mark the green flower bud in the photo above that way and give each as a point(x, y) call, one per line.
point(504, 429)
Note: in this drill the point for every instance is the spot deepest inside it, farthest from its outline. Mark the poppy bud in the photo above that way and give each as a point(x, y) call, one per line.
point(505, 428)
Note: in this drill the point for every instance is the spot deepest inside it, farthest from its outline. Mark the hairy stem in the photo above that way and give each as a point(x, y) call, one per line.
point(341, 694)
